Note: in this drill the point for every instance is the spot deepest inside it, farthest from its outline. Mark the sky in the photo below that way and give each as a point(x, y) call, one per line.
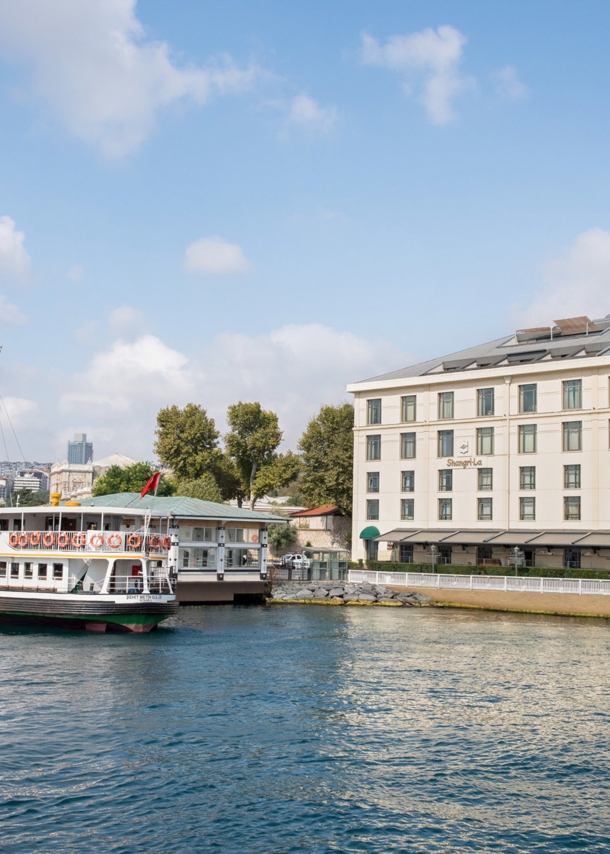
point(213, 202)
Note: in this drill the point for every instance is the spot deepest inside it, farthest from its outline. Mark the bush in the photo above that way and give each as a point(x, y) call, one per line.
point(450, 569)
point(281, 536)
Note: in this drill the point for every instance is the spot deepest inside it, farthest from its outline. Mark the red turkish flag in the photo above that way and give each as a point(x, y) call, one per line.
point(153, 483)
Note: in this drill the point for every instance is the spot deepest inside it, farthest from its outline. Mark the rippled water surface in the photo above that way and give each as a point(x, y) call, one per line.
point(308, 729)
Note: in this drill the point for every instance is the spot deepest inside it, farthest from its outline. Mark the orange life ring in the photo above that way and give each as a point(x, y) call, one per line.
point(96, 540)
point(166, 542)
point(35, 539)
point(134, 541)
point(154, 541)
point(114, 540)
point(23, 540)
point(63, 540)
point(14, 539)
point(48, 539)
point(78, 540)
point(255, 538)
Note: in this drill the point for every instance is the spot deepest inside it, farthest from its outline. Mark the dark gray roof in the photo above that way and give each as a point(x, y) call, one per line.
point(519, 348)
point(178, 506)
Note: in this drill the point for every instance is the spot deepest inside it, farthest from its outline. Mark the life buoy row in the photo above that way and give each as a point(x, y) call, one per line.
point(21, 539)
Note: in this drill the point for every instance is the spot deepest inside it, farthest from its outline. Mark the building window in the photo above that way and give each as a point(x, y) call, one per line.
point(485, 509)
point(572, 394)
point(527, 477)
point(407, 481)
point(406, 553)
point(445, 405)
point(407, 446)
point(527, 439)
point(444, 555)
point(571, 477)
point(571, 558)
point(372, 481)
point(485, 441)
point(408, 407)
point(486, 479)
point(373, 411)
point(42, 571)
point(485, 401)
point(373, 447)
point(445, 509)
point(445, 443)
point(372, 508)
point(528, 398)
point(407, 508)
point(571, 508)
point(445, 480)
point(572, 436)
point(527, 509)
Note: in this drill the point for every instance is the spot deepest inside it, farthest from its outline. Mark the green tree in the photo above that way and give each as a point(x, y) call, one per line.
point(281, 536)
point(205, 488)
point(327, 460)
point(187, 442)
point(252, 445)
point(25, 498)
point(130, 479)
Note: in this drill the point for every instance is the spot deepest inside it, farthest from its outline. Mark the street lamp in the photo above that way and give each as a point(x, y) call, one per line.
point(517, 553)
point(433, 556)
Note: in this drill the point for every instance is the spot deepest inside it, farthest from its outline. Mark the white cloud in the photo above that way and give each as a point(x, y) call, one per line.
point(10, 314)
point(508, 85)
point(307, 114)
point(435, 54)
point(292, 370)
point(576, 283)
point(14, 260)
point(105, 81)
point(19, 409)
point(213, 255)
point(75, 273)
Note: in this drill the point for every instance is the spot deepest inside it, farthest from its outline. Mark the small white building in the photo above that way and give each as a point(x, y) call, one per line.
point(505, 445)
point(322, 527)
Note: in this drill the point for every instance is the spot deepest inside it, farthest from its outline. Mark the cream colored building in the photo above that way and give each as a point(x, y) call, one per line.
point(465, 458)
point(74, 481)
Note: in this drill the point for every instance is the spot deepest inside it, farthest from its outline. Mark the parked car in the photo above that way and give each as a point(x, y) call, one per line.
point(300, 561)
point(286, 560)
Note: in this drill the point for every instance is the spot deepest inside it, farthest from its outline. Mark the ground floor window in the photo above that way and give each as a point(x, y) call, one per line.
point(198, 558)
point(572, 558)
point(484, 554)
point(444, 554)
point(406, 553)
point(238, 558)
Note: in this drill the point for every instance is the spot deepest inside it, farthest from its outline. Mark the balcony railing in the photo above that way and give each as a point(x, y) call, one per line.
point(87, 541)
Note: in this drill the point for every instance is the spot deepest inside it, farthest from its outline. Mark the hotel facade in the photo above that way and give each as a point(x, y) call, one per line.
point(499, 454)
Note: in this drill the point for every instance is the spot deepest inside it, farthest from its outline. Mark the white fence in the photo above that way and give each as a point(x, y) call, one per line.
point(509, 583)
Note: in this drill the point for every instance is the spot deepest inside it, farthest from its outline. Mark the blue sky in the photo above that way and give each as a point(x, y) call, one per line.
point(222, 201)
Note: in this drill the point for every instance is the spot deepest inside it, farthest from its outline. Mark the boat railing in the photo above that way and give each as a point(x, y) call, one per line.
point(88, 541)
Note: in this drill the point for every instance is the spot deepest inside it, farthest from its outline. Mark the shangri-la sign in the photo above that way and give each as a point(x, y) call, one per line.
point(464, 464)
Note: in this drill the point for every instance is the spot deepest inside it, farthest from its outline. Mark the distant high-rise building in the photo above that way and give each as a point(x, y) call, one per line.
point(80, 451)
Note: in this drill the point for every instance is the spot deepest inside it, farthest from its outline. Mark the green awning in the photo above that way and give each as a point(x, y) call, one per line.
point(369, 533)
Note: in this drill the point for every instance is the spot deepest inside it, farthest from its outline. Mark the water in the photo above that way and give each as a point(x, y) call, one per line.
point(308, 729)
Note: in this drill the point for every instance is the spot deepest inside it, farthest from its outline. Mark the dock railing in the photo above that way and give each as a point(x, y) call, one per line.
point(507, 583)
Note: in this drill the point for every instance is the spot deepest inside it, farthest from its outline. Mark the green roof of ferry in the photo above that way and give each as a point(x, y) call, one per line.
point(178, 505)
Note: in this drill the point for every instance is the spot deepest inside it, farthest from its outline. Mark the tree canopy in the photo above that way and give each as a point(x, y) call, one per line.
point(252, 444)
point(187, 441)
point(130, 479)
point(25, 498)
point(327, 460)
point(204, 487)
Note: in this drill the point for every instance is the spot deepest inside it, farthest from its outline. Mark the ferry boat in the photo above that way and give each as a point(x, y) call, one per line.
point(121, 562)
point(81, 568)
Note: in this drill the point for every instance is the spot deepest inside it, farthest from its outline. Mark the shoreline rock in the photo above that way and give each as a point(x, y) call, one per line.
point(344, 593)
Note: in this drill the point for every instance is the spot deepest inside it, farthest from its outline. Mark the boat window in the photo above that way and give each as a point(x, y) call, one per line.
point(2, 569)
point(42, 571)
point(14, 570)
point(28, 570)
point(3, 524)
point(58, 571)
point(16, 524)
point(92, 526)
